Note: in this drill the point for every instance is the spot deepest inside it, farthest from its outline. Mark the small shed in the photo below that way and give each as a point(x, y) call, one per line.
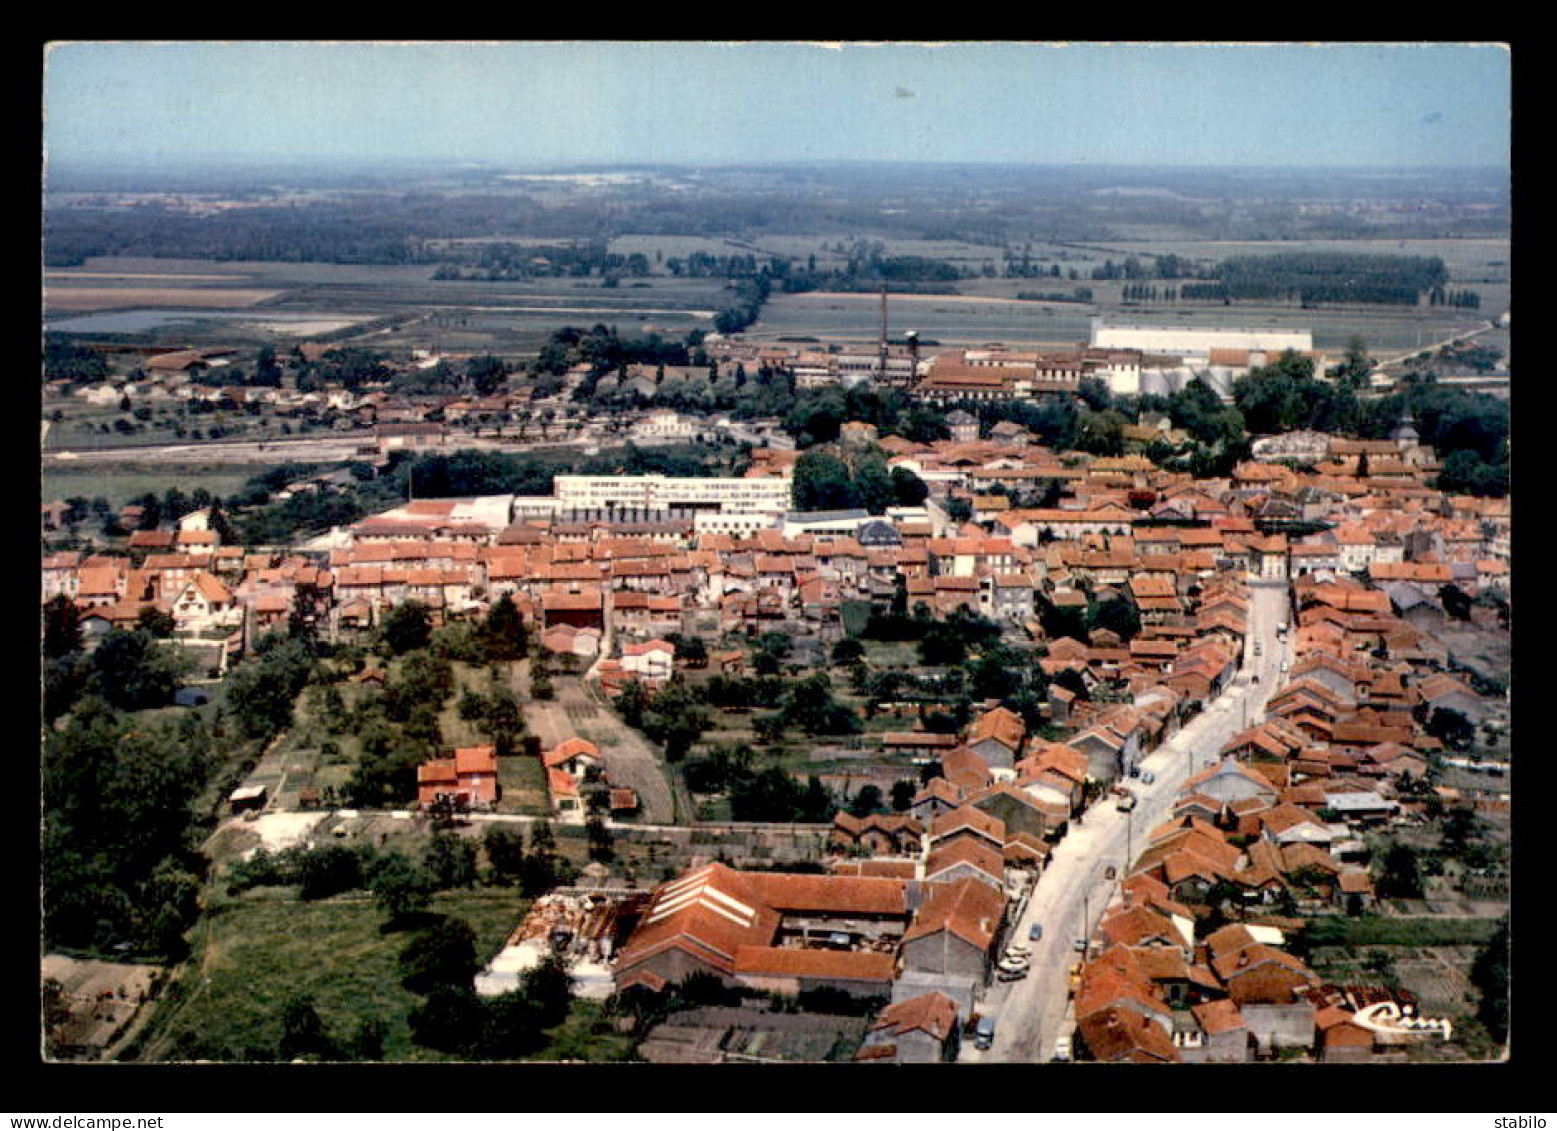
point(248, 797)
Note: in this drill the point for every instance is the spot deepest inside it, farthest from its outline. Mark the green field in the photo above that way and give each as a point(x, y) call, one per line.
point(1402, 931)
point(252, 953)
point(120, 485)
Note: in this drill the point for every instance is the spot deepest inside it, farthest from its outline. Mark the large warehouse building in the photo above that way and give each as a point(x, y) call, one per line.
point(1193, 342)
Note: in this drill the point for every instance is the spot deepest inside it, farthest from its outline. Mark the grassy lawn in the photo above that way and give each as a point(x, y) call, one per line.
point(1386, 931)
point(120, 485)
point(523, 782)
point(855, 615)
point(256, 951)
point(892, 653)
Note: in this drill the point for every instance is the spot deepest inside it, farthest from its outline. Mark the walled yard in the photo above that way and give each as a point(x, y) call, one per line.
point(723, 1034)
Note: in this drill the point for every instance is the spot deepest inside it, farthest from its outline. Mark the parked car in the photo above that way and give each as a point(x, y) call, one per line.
point(1035, 932)
point(1081, 944)
point(1135, 771)
point(1148, 777)
point(1016, 950)
point(984, 1035)
point(1062, 1048)
point(1013, 964)
point(1011, 975)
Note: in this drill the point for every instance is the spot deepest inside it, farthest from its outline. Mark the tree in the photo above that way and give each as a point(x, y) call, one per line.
point(403, 889)
point(367, 1040)
point(1451, 727)
point(267, 371)
point(1456, 602)
point(1355, 365)
point(1102, 433)
point(874, 485)
point(505, 853)
point(1489, 974)
point(771, 650)
point(328, 870)
point(61, 627)
point(867, 801)
point(1117, 615)
point(1402, 874)
point(908, 490)
point(848, 651)
point(903, 794)
point(451, 861)
point(443, 955)
point(822, 482)
point(156, 621)
point(601, 843)
point(549, 986)
point(302, 1031)
point(449, 1019)
point(511, 1026)
point(506, 638)
point(132, 671)
point(406, 627)
point(486, 374)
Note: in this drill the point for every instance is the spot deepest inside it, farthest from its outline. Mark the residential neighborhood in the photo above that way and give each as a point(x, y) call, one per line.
point(702, 554)
point(1147, 603)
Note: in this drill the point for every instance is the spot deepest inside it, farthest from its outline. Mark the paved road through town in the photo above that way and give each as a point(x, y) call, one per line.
point(1072, 892)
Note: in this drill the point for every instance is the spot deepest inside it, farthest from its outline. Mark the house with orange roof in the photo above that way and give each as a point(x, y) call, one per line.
point(468, 779)
point(918, 1030)
point(955, 928)
point(1270, 988)
point(1120, 1034)
point(572, 755)
point(563, 790)
point(1229, 781)
point(651, 660)
point(205, 603)
point(1223, 1036)
point(1036, 813)
point(997, 736)
point(938, 796)
point(965, 768)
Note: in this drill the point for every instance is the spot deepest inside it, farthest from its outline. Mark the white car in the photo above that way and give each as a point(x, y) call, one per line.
point(1013, 965)
point(1062, 1048)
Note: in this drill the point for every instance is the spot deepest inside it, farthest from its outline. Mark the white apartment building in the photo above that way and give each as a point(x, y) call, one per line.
point(761, 495)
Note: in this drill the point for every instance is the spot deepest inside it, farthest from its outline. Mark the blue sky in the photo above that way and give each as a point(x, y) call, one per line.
point(1406, 105)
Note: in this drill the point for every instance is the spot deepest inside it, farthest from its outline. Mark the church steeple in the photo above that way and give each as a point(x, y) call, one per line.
point(1405, 434)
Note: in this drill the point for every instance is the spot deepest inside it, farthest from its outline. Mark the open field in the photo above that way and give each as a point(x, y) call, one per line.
point(948, 319)
point(309, 299)
point(967, 320)
point(121, 484)
point(63, 300)
point(304, 300)
point(254, 952)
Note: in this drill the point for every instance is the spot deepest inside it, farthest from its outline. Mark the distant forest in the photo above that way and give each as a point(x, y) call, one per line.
point(385, 221)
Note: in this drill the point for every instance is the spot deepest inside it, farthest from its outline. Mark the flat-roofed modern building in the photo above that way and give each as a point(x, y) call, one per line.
point(743, 495)
point(1188, 341)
